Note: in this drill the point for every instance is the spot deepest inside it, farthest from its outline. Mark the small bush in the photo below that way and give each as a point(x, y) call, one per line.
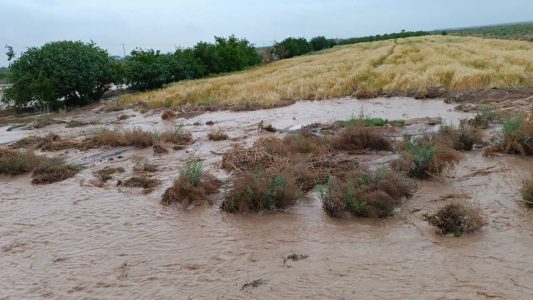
point(360, 138)
point(168, 114)
point(53, 170)
point(15, 162)
point(145, 166)
point(192, 186)
point(45, 170)
point(105, 173)
point(257, 191)
point(463, 138)
point(456, 219)
point(425, 157)
point(527, 191)
point(218, 135)
point(365, 194)
point(518, 136)
point(142, 182)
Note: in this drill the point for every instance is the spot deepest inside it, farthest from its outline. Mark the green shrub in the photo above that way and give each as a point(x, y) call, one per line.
point(226, 55)
point(149, 69)
point(60, 73)
point(291, 47)
point(318, 43)
point(365, 194)
point(256, 191)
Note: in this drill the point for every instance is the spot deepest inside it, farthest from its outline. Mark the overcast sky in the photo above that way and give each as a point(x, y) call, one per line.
point(166, 24)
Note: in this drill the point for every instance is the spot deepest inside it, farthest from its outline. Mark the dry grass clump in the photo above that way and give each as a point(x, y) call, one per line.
point(168, 114)
point(456, 219)
point(463, 138)
point(53, 170)
point(142, 182)
point(16, 162)
point(218, 135)
point(358, 138)
point(518, 136)
point(425, 157)
point(45, 170)
point(365, 194)
point(145, 166)
point(257, 191)
point(105, 173)
point(112, 138)
point(412, 65)
point(299, 154)
point(527, 191)
point(192, 186)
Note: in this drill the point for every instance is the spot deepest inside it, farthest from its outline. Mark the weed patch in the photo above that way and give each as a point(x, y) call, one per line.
point(456, 219)
point(218, 135)
point(365, 194)
point(142, 182)
point(192, 186)
point(261, 190)
point(425, 157)
point(105, 173)
point(359, 138)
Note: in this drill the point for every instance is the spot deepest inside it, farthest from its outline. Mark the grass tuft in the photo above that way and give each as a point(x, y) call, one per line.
point(218, 135)
point(192, 186)
point(365, 194)
point(456, 219)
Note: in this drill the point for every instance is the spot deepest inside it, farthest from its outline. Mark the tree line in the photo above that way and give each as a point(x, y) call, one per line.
point(66, 73)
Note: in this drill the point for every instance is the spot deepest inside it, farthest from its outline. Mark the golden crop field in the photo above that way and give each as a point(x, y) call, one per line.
point(366, 69)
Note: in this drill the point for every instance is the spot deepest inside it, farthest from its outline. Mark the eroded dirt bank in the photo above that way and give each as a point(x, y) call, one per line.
point(72, 239)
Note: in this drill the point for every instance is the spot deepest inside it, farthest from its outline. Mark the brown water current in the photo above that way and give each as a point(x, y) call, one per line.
point(74, 240)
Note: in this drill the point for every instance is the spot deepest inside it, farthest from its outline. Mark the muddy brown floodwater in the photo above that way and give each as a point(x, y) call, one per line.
point(74, 240)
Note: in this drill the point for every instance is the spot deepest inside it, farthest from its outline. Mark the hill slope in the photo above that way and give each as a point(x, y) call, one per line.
point(365, 70)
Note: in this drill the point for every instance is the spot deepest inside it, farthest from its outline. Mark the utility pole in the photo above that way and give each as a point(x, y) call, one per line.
point(124, 50)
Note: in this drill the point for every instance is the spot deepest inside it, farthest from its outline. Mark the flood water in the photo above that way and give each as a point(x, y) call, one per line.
point(74, 240)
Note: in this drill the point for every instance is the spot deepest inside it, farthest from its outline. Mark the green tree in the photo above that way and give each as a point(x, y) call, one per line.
point(226, 55)
point(60, 74)
point(150, 69)
point(291, 47)
point(318, 43)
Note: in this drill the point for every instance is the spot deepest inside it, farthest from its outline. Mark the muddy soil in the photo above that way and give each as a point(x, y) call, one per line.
point(80, 239)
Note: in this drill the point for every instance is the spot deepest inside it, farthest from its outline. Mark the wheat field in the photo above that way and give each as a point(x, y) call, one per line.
point(363, 70)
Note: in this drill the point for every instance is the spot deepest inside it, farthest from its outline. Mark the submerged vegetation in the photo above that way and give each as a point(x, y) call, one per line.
point(518, 136)
point(456, 219)
point(192, 187)
point(527, 191)
point(45, 170)
point(365, 194)
point(426, 156)
point(111, 138)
